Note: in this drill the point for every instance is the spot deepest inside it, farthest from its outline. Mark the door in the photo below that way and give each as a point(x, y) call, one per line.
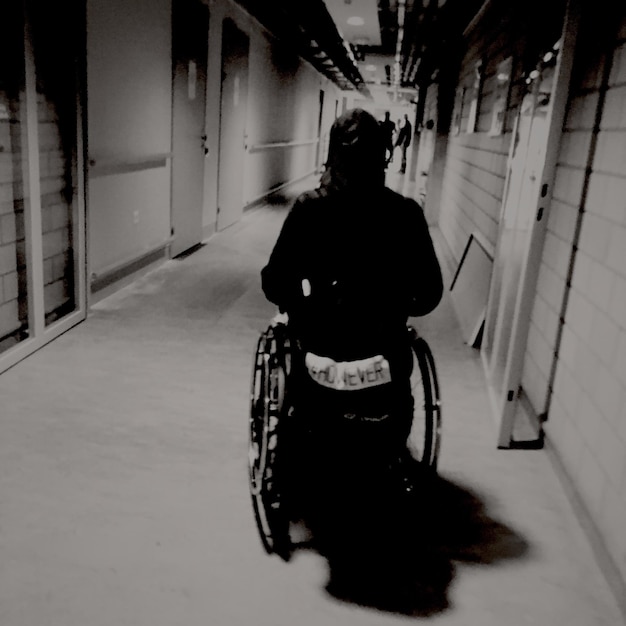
point(532, 162)
point(190, 28)
point(233, 107)
point(320, 154)
point(517, 213)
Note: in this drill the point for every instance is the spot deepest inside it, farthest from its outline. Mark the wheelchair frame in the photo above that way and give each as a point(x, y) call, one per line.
point(270, 404)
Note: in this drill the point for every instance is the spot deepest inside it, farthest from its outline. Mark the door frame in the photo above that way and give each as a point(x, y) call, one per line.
point(505, 405)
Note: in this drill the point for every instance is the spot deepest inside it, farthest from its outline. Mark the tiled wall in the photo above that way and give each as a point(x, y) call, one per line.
point(579, 309)
point(587, 417)
point(475, 168)
point(472, 189)
point(475, 171)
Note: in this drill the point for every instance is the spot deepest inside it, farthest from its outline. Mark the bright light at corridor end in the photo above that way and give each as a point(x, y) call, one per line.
point(355, 20)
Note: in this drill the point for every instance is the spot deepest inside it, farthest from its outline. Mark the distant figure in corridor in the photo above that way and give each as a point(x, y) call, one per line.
point(389, 129)
point(405, 134)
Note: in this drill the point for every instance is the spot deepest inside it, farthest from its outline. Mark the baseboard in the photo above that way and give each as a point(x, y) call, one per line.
point(108, 282)
point(263, 198)
point(605, 561)
point(208, 230)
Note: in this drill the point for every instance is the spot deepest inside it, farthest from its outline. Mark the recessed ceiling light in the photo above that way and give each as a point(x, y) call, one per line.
point(371, 68)
point(355, 20)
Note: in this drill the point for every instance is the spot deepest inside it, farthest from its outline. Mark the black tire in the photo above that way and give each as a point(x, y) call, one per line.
point(424, 440)
point(267, 407)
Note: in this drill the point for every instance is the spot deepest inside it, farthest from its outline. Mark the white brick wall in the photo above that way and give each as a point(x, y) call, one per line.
point(587, 225)
point(9, 287)
point(475, 168)
point(472, 189)
point(587, 419)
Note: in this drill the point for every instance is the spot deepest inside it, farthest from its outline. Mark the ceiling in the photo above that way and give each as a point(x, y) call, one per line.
point(367, 45)
point(359, 24)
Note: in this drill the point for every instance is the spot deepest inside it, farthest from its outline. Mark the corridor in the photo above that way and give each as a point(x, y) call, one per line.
point(123, 477)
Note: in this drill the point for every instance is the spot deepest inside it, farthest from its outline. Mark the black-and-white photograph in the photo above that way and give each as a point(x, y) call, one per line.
point(313, 313)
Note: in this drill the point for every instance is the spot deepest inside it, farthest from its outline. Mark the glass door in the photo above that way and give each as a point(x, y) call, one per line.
point(54, 36)
point(42, 243)
point(14, 272)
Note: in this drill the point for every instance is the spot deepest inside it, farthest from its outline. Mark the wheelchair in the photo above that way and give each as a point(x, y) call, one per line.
point(271, 406)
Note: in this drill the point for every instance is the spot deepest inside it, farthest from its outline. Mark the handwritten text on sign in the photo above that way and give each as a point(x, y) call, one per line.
point(348, 375)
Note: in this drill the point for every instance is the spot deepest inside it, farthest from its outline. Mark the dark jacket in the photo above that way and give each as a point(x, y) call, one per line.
point(365, 251)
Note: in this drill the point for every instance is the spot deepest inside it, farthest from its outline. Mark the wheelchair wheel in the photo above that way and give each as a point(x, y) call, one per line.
point(268, 405)
point(425, 437)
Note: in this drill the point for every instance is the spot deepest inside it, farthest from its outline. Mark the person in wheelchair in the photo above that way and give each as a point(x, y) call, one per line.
point(352, 262)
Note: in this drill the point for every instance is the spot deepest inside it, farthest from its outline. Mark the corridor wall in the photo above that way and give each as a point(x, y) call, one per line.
point(282, 114)
point(574, 358)
point(129, 77)
point(282, 136)
point(575, 366)
point(473, 179)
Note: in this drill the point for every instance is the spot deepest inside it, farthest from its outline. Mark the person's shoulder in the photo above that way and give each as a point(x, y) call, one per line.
point(307, 198)
point(307, 203)
point(398, 198)
point(402, 204)
point(310, 195)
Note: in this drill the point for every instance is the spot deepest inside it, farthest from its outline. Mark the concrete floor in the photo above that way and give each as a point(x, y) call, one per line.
point(123, 479)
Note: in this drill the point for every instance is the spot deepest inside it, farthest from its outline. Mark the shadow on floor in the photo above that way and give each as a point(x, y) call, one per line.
point(393, 547)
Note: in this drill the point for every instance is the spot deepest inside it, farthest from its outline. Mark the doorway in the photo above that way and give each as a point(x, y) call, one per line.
point(517, 214)
point(233, 108)
point(531, 167)
point(190, 28)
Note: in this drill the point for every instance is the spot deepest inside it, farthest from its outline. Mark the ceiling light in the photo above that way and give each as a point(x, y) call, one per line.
point(371, 68)
point(355, 20)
